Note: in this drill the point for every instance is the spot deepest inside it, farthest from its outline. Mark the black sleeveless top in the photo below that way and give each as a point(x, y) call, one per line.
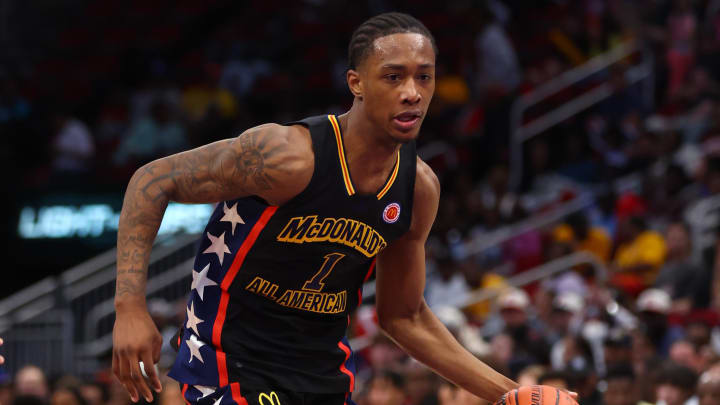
point(273, 287)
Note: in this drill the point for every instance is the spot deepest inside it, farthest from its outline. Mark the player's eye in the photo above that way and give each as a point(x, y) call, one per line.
point(425, 77)
point(393, 77)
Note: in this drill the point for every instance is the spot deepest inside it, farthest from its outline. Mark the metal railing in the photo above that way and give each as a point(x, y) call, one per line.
point(542, 271)
point(703, 217)
point(64, 304)
point(521, 132)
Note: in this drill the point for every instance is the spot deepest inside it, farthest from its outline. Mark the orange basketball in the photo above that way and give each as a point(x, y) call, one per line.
point(536, 395)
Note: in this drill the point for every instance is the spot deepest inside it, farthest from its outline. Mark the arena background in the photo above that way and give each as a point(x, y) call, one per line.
point(576, 142)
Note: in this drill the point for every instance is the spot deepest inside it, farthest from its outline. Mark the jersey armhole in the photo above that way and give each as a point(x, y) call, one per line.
point(315, 148)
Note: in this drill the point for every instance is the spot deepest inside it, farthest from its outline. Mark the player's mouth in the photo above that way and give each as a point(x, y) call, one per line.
point(407, 120)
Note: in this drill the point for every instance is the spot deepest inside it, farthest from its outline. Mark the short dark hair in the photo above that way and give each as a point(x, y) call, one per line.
point(620, 371)
point(678, 376)
point(382, 25)
point(554, 375)
point(396, 379)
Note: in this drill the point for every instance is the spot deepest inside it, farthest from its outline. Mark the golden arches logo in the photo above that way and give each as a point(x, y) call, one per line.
point(271, 399)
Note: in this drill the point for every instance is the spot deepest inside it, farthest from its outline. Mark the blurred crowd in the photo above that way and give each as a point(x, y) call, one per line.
point(639, 325)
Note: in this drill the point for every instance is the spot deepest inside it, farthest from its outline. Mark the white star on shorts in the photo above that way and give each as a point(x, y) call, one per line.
point(194, 345)
point(217, 246)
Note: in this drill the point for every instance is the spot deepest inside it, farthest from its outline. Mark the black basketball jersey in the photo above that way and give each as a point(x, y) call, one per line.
point(273, 287)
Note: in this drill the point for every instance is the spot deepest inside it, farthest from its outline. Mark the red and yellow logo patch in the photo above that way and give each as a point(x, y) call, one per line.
point(391, 213)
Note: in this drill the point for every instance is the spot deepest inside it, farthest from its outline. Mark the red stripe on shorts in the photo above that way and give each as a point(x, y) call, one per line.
point(344, 369)
point(184, 390)
point(237, 395)
point(225, 285)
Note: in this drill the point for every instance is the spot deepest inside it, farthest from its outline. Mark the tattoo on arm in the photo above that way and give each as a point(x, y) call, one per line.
point(216, 172)
point(129, 287)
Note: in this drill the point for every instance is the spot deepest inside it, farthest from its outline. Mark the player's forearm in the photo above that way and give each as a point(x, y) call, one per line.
point(140, 218)
point(426, 339)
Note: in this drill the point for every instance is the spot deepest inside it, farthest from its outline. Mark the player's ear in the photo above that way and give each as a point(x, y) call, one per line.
point(354, 83)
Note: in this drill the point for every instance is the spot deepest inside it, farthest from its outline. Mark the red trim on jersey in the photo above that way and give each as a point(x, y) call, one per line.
point(225, 285)
point(344, 369)
point(236, 395)
point(184, 390)
point(367, 277)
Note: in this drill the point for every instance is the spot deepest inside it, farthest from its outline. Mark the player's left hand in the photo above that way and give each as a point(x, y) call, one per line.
point(2, 359)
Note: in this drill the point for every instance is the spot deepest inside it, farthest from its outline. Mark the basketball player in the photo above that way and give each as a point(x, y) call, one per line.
point(307, 211)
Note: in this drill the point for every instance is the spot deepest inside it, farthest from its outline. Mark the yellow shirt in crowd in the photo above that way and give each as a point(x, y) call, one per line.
point(647, 249)
point(597, 242)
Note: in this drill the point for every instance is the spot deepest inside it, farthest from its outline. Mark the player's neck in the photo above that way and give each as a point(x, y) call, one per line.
point(370, 154)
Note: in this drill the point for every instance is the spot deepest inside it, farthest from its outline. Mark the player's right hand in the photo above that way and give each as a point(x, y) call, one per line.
point(135, 339)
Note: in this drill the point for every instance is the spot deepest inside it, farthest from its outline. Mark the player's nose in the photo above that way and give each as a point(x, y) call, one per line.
point(410, 93)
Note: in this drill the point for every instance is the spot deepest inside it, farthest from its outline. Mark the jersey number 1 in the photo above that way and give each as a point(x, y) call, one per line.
point(316, 283)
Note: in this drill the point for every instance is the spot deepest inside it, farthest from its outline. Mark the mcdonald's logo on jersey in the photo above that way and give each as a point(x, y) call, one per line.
point(348, 232)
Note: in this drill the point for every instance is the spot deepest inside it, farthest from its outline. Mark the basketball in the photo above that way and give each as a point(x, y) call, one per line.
point(536, 395)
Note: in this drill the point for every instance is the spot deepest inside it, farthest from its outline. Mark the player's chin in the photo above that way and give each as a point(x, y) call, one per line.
point(404, 135)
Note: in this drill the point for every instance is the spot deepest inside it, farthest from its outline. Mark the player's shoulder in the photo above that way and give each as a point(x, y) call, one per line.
point(292, 142)
point(283, 151)
point(291, 135)
point(427, 185)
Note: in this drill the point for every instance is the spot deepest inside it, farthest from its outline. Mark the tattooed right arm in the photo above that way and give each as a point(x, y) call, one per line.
point(271, 161)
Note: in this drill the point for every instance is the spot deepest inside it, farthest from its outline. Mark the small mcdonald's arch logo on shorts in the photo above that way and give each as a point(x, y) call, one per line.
point(391, 213)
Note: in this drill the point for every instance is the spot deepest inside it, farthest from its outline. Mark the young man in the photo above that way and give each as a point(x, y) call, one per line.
point(307, 211)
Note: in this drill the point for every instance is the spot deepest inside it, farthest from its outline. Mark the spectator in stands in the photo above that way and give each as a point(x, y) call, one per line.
point(684, 353)
point(421, 384)
point(566, 314)
point(468, 335)
point(67, 396)
point(206, 94)
point(654, 306)
point(13, 106)
point(583, 380)
point(385, 388)
point(708, 390)
point(528, 345)
point(555, 378)
point(150, 137)
point(685, 280)
point(578, 166)
point(95, 393)
point(675, 385)
point(384, 353)
point(447, 285)
point(617, 350)
point(31, 380)
point(497, 201)
point(449, 394)
point(530, 375)
point(573, 352)
point(639, 255)
point(73, 146)
point(681, 30)
point(620, 386)
point(499, 70)
point(583, 237)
